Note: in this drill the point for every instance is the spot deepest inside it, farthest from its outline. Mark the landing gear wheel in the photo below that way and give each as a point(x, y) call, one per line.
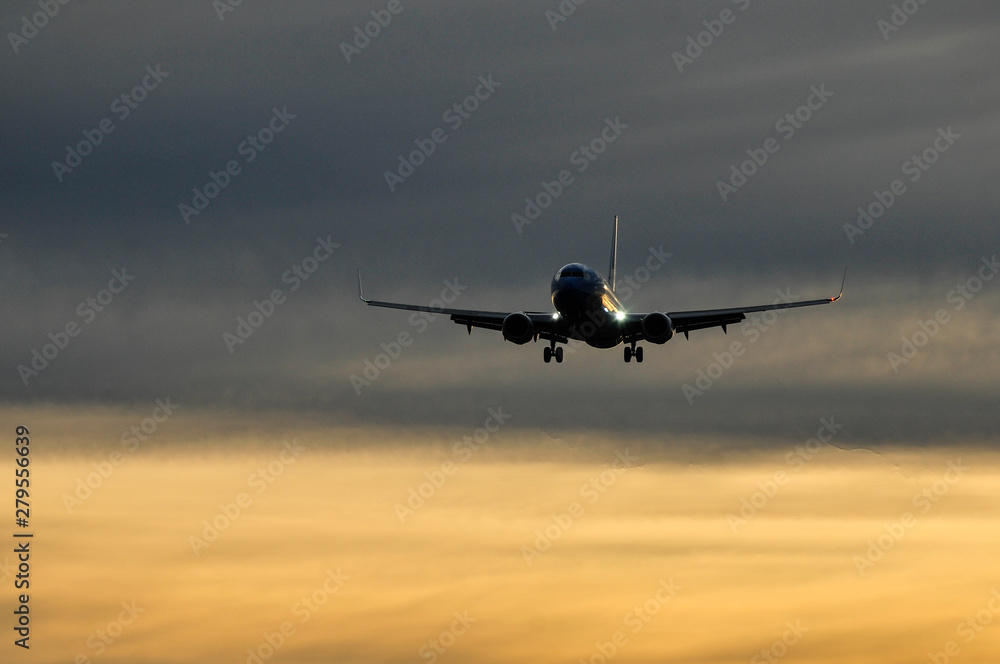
point(547, 355)
point(559, 355)
point(638, 354)
point(628, 354)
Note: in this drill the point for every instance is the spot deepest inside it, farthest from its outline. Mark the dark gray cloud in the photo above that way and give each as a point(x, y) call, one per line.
point(323, 176)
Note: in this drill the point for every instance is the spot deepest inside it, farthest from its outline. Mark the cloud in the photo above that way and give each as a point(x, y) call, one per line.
point(323, 176)
point(647, 550)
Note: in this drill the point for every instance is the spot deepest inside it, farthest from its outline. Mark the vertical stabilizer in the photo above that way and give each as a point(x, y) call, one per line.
point(614, 255)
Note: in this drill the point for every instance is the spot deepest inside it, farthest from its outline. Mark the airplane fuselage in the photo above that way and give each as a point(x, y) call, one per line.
point(587, 302)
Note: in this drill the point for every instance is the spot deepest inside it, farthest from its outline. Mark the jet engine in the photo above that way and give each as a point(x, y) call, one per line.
point(657, 328)
point(518, 328)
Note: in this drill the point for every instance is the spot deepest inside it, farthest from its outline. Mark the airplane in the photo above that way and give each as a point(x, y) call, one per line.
point(587, 309)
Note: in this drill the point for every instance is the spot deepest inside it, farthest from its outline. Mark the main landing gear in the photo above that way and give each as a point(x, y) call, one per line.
point(632, 351)
point(551, 352)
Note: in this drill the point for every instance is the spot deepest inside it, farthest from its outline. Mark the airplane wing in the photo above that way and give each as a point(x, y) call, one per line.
point(686, 321)
point(553, 328)
point(546, 324)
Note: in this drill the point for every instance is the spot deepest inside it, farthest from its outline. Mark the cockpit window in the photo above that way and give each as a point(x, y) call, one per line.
point(571, 272)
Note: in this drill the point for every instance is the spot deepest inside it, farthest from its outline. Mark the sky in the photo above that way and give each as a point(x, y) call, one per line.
point(174, 171)
point(221, 77)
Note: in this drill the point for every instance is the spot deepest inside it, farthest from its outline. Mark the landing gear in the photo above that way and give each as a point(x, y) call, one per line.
point(551, 352)
point(632, 351)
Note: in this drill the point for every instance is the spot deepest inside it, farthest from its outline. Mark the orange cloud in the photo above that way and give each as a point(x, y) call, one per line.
point(305, 558)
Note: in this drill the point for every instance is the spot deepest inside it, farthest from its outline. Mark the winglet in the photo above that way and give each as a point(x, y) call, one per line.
point(362, 297)
point(614, 255)
point(844, 281)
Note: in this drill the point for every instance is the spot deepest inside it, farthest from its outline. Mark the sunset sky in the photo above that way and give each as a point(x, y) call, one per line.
point(190, 187)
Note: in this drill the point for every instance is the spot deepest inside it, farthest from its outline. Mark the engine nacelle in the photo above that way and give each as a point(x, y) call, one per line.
point(518, 328)
point(657, 328)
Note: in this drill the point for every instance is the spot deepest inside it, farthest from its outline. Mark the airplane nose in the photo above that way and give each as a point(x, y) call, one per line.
point(570, 303)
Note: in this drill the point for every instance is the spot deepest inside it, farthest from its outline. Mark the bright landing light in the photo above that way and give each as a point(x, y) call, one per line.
point(620, 315)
